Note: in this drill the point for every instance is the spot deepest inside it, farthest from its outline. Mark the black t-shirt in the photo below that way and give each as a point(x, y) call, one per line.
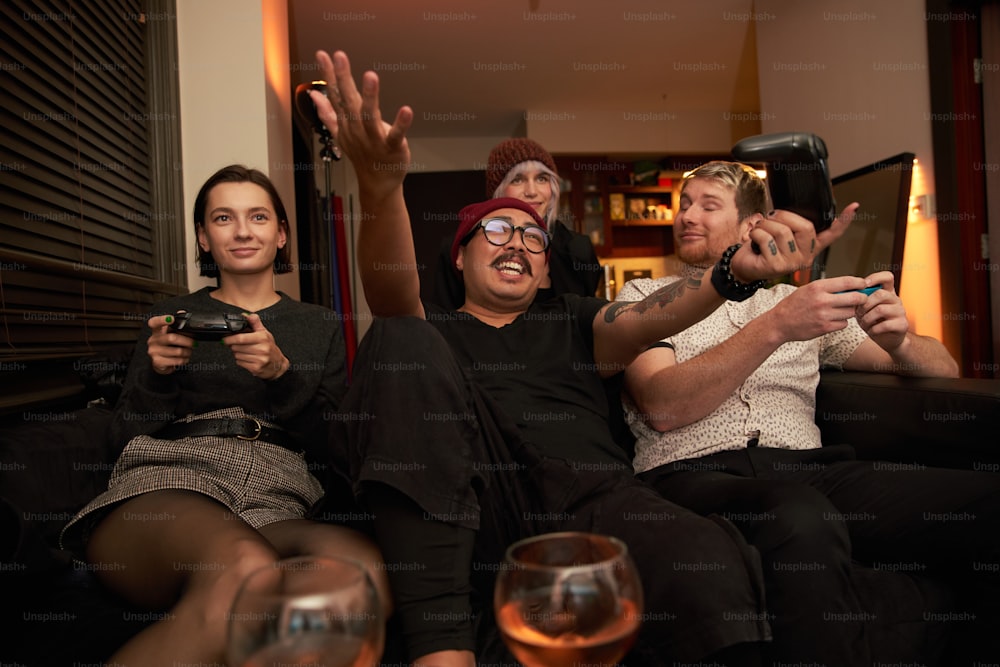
point(541, 370)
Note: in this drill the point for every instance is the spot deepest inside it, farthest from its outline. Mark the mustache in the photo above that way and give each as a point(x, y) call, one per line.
point(514, 256)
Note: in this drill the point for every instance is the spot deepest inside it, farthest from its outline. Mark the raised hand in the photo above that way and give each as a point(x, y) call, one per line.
point(787, 243)
point(381, 156)
point(379, 151)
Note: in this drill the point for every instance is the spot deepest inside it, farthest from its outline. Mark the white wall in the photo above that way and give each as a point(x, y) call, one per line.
point(662, 132)
point(451, 153)
point(235, 103)
point(856, 73)
point(853, 71)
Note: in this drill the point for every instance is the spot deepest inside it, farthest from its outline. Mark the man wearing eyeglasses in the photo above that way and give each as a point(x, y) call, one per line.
point(469, 429)
point(512, 269)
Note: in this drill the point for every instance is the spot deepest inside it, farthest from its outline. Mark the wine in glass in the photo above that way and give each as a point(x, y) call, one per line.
point(316, 611)
point(565, 599)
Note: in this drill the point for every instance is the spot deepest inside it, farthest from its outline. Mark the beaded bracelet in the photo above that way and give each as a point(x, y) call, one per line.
point(726, 284)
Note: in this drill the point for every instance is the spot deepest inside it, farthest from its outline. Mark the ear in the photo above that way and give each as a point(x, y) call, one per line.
point(460, 260)
point(282, 233)
point(202, 238)
point(747, 224)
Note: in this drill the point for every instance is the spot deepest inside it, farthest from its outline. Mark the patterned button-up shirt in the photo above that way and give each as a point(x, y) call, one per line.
point(776, 404)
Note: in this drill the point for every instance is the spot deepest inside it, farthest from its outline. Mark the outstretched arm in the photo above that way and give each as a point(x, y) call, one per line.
point(380, 156)
point(788, 242)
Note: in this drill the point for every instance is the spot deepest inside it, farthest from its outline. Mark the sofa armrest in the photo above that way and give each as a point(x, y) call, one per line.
point(53, 463)
point(932, 421)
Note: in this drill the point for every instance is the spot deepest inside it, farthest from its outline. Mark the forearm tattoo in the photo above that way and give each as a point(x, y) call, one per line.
point(657, 299)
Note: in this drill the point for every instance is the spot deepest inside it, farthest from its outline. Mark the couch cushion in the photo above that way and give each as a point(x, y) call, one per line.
point(948, 422)
point(902, 608)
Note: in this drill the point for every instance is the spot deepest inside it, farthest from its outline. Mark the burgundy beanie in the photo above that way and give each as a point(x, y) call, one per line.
point(508, 154)
point(473, 213)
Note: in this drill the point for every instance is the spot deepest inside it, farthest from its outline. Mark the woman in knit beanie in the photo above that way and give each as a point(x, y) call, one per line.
point(523, 169)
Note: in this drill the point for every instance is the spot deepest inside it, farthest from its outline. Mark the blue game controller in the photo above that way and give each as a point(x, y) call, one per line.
point(868, 291)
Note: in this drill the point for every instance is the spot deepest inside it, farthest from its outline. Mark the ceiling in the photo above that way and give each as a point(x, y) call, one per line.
point(480, 68)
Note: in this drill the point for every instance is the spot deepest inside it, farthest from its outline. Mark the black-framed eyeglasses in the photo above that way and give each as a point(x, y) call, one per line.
point(499, 231)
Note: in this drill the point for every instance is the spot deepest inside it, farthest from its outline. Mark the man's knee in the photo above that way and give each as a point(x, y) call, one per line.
point(795, 519)
point(402, 357)
point(677, 548)
point(402, 338)
point(720, 554)
point(703, 582)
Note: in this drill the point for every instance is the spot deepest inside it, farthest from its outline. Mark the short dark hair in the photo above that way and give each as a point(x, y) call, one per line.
point(237, 173)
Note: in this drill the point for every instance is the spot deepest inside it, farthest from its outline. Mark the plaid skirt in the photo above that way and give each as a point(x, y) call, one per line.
point(259, 482)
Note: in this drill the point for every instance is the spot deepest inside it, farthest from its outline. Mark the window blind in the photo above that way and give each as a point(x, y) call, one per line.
point(90, 219)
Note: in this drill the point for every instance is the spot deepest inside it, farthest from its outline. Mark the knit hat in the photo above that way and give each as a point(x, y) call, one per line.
point(508, 154)
point(473, 213)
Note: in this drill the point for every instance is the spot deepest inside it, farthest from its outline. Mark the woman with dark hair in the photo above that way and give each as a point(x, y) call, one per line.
point(240, 174)
point(221, 439)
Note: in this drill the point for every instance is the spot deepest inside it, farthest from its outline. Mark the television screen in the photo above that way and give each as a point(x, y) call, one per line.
point(874, 241)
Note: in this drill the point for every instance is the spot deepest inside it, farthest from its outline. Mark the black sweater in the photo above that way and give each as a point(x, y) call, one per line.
point(302, 400)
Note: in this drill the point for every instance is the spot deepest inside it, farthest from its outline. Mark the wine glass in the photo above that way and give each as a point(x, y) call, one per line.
point(565, 599)
point(316, 611)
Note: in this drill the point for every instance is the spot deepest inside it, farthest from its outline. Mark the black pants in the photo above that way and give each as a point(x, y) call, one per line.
point(811, 513)
point(413, 422)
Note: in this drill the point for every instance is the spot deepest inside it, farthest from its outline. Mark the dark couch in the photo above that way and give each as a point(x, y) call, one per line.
point(54, 461)
point(916, 422)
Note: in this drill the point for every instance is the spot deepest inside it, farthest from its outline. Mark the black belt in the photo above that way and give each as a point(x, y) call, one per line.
point(246, 428)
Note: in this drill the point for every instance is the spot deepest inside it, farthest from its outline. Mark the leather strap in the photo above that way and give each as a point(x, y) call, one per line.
point(246, 428)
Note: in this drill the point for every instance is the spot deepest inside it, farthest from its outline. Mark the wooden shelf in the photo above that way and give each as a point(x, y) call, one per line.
point(641, 189)
point(601, 178)
point(636, 251)
point(641, 222)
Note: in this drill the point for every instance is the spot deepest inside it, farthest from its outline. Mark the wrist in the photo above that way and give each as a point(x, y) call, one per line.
point(726, 284)
point(902, 350)
point(281, 368)
point(767, 329)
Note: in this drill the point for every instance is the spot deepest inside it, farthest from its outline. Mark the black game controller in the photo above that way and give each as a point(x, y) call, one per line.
point(209, 326)
point(797, 174)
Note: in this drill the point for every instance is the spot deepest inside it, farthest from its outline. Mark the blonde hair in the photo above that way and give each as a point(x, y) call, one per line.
point(553, 211)
point(750, 189)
